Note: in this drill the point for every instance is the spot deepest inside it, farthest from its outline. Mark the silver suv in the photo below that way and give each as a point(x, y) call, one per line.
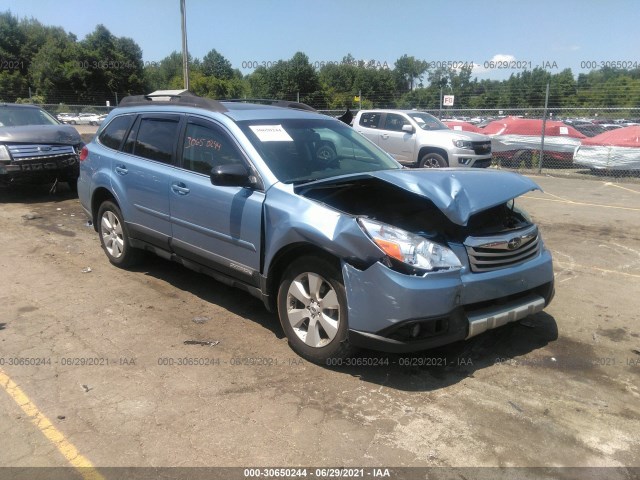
point(419, 139)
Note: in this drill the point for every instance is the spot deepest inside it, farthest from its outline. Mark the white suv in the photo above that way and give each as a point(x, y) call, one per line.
point(421, 140)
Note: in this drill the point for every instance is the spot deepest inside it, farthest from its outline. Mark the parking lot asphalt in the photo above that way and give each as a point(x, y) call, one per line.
point(100, 354)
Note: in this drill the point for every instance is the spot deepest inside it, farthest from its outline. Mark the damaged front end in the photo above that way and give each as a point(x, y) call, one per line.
point(39, 154)
point(428, 257)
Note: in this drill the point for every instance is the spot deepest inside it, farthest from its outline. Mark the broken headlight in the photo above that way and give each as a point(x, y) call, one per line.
point(410, 249)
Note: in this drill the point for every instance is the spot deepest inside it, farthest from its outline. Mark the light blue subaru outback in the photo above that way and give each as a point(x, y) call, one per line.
point(350, 248)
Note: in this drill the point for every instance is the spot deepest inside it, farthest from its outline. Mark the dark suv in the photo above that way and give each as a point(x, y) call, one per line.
point(300, 210)
point(36, 148)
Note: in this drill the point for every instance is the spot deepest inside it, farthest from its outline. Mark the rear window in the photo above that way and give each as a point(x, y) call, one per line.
point(156, 139)
point(113, 134)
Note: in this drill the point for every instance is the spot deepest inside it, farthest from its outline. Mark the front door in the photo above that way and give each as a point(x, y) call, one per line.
point(217, 226)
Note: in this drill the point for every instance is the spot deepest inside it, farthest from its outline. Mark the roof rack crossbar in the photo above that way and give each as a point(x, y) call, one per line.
point(184, 99)
point(274, 103)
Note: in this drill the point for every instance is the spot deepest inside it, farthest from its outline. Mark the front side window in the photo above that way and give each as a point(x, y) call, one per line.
point(205, 147)
point(394, 122)
point(113, 134)
point(156, 139)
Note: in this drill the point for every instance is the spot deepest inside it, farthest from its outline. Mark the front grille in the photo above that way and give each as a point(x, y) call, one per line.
point(502, 251)
point(482, 148)
point(33, 152)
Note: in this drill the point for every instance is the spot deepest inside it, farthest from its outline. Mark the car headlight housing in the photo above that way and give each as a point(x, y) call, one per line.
point(408, 248)
point(4, 154)
point(465, 144)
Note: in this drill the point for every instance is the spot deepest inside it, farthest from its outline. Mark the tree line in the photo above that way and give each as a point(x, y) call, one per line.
point(45, 64)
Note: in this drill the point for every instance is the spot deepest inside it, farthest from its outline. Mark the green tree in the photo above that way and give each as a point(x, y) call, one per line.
point(408, 70)
point(216, 65)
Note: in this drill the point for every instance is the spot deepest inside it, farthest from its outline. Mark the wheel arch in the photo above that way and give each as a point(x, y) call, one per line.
point(284, 258)
point(100, 195)
point(431, 149)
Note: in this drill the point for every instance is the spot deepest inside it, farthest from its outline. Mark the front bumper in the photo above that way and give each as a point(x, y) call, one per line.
point(467, 158)
point(392, 312)
point(40, 169)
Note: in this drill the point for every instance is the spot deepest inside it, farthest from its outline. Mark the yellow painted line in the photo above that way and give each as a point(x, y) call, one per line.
point(575, 266)
point(571, 202)
point(609, 184)
point(55, 436)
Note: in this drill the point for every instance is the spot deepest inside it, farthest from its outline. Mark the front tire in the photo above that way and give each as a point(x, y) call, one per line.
point(114, 236)
point(432, 160)
point(312, 306)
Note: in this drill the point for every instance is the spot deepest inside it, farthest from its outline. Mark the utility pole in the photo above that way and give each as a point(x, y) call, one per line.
point(443, 82)
point(185, 50)
point(544, 126)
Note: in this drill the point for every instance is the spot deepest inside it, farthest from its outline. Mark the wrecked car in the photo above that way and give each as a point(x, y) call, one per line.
point(36, 148)
point(349, 248)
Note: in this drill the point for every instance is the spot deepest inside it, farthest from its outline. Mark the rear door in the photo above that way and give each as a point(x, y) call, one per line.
point(141, 176)
point(217, 226)
point(368, 125)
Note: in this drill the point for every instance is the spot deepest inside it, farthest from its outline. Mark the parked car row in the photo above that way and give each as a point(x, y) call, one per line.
point(81, 118)
point(600, 144)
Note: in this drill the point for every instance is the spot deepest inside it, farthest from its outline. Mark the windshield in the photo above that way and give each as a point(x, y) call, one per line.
point(299, 151)
point(18, 117)
point(427, 122)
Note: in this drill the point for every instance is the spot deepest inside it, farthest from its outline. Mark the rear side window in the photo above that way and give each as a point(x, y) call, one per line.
point(113, 134)
point(156, 139)
point(370, 120)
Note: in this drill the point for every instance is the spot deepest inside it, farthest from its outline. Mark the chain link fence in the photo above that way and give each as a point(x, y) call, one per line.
point(582, 142)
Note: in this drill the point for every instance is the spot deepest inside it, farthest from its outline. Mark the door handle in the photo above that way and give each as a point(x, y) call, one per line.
point(179, 188)
point(121, 170)
point(384, 135)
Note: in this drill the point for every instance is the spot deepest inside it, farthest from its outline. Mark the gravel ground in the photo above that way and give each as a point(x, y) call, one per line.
point(560, 389)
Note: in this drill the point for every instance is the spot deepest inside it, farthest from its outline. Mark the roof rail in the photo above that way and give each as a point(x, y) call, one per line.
point(185, 98)
point(274, 103)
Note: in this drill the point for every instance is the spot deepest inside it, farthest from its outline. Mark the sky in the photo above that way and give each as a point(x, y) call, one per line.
point(514, 34)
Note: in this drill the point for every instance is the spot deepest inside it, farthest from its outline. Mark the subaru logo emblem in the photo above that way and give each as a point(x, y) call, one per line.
point(514, 243)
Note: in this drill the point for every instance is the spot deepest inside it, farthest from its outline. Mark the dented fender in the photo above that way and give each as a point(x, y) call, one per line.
point(291, 219)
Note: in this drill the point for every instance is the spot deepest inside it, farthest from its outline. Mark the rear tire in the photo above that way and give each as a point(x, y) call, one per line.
point(432, 160)
point(114, 236)
point(312, 306)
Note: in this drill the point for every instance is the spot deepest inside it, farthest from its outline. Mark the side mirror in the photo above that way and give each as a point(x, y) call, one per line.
point(407, 128)
point(231, 175)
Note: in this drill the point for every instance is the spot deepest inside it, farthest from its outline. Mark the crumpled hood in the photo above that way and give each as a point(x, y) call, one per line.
point(460, 193)
point(53, 134)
